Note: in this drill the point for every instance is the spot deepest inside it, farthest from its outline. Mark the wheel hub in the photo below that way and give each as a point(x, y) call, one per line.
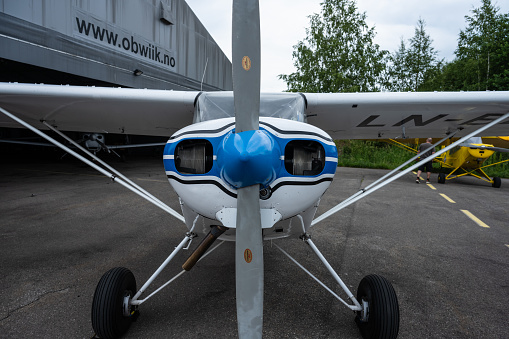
point(126, 305)
point(365, 311)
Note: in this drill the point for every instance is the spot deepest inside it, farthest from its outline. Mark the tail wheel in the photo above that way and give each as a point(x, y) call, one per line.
point(496, 182)
point(441, 178)
point(380, 318)
point(111, 314)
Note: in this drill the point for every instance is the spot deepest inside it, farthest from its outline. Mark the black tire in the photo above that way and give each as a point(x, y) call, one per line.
point(108, 320)
point(383, 315)
point(441, 178)
point(497, 182)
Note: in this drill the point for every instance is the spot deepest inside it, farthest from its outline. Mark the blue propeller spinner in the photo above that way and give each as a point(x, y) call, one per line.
point(249, 158)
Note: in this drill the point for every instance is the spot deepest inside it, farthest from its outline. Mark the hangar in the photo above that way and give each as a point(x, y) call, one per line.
point(157, 44)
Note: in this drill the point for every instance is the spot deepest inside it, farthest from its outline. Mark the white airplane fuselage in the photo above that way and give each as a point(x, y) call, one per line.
point(294, 164)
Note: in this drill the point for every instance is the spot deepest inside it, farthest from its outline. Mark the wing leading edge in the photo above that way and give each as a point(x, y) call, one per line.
point(96, 109)
point(396, 115)
point(342, 115)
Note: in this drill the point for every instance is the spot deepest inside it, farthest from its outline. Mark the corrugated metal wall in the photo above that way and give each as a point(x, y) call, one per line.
point(108, 40)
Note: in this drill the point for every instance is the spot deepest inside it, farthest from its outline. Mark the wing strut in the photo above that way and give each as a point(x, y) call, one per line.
point(360, 192)
point(115, 176)
point(372, 188)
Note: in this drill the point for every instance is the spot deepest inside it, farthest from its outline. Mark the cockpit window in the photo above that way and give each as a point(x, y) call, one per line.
point(217, 105)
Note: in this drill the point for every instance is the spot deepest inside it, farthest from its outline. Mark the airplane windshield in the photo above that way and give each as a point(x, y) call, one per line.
point(471, 141)
point(216, 105)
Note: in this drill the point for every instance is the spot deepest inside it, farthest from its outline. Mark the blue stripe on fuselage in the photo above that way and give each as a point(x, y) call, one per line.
point(217, 142)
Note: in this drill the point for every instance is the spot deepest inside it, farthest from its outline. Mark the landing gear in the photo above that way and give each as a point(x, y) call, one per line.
point(441, 178)
point(116, 298)
point(112, 313)
point(376, 304)
point(380, 315)
point(496, 182)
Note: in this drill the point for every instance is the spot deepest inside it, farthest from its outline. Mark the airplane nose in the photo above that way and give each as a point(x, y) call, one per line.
point(249, 158)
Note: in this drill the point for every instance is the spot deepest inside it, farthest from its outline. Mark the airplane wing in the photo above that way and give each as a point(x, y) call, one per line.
point(342, 115)
point(499, 141)
point(96, 109)
point(407, 115)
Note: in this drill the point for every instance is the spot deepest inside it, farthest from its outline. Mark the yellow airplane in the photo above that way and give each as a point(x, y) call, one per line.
point(468, 158)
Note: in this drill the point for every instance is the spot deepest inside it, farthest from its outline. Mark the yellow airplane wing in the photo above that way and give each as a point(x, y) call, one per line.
point(502, 142)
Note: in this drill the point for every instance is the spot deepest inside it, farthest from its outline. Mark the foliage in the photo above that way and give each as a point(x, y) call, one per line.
point(414, 68)
point(399, 77)
point(499, 170)
point(482, 56)
point(370, 154)
point(338, 53)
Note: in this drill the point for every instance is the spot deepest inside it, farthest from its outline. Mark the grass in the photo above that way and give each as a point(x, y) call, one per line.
point(370, 154)
point(500, 170)
point(379, 154)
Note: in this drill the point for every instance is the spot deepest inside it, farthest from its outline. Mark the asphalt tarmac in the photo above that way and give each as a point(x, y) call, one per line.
point(62, 225)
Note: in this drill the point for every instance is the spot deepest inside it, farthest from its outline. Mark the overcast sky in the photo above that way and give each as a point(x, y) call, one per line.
point(283, 24)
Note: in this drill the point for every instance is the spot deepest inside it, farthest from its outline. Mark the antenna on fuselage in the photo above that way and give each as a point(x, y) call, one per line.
point(203, 77)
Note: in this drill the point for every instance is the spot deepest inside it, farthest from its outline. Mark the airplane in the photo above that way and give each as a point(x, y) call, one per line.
point(248, 167)
point(93, 142)
point(468, 158)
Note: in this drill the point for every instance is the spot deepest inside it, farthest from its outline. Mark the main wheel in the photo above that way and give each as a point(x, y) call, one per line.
point(108, 314)
point(496, 182)
point(441, 178)
point(381, 319)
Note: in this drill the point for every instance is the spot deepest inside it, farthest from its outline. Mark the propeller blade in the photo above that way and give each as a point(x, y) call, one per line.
point(246, 95)
point(249, 263)
point(246, 64)
point(489, 148)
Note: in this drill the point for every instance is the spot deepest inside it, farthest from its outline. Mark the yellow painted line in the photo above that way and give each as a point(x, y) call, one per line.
point(431, 186)
point(447, 198)
point(475, 219)
point(507, 245)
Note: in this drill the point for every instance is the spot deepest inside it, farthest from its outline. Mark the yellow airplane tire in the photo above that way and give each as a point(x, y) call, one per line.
point(496, 182)
point(441, 178)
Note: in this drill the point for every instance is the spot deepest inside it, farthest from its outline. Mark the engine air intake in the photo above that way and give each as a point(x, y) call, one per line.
point(194, 156)
point(304, 157)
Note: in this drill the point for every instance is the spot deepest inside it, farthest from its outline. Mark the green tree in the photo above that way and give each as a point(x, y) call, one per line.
point(482, 56)
point(338, 53)
point(399, 73)
point(414, 68)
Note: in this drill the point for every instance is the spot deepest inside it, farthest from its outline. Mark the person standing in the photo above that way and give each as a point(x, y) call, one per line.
point(426, 149)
